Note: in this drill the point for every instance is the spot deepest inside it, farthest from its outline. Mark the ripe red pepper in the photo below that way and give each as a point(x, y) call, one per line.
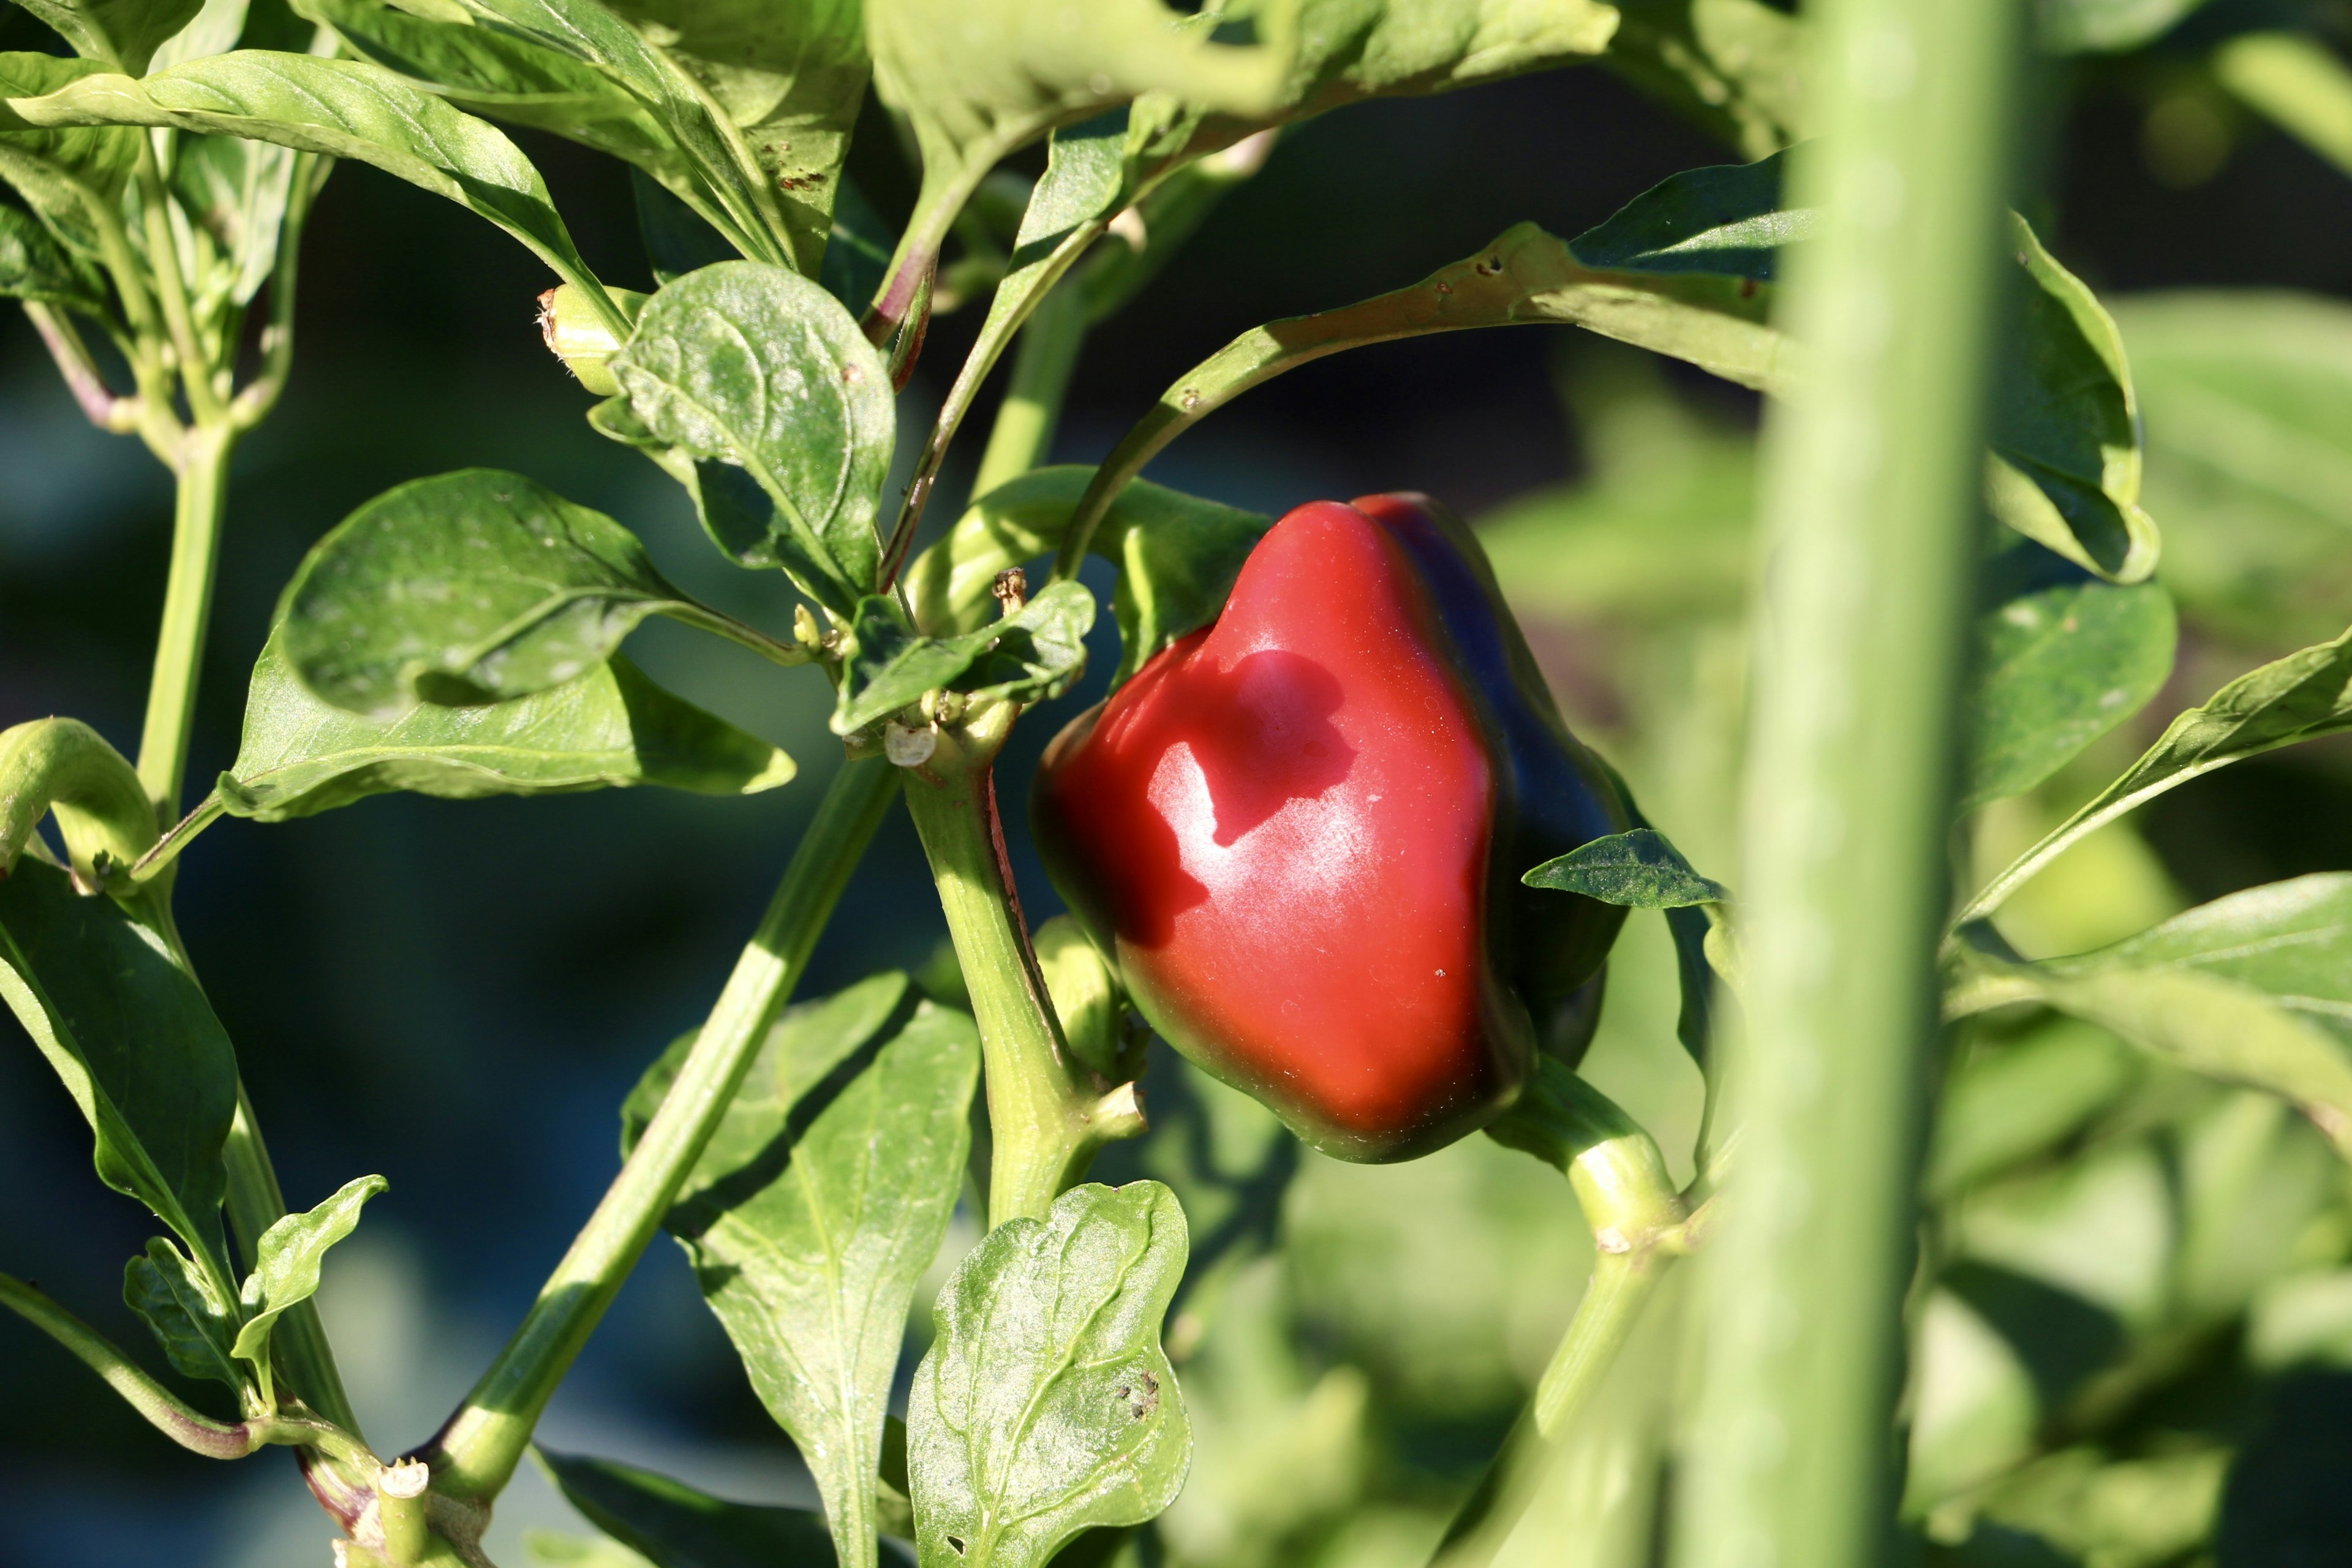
point(1299, 835)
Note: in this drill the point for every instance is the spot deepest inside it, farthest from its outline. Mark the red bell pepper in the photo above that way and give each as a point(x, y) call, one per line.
point(1299, 832)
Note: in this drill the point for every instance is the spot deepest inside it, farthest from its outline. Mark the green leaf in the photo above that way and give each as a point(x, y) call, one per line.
point(286, 1263)
point(610, 728)
point(1734, 67)
point(123, 33)
point(820, 1199)
point(754, 373)
point(1032, 655)
point(35, 267)
point(721, 163)
point(62, 173)
point(190, 1318)
point(2008, 1103)
point(789, 78)
point(1346, 51)
point(130, 1034)
point(1046, 1405)
point(491, 72)
point(2066, 425)
point(1177, 555)
point(2248, 401)
point(978, 78)
point(470, 587)
point(1639, 869)
point(344, 109)
point(2253, 989)
point(2298, 698)
point(675, 1526)
point(2062, 658)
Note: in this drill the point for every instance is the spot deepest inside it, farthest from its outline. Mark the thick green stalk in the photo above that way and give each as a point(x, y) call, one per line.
point(1047, 1111)
point(477, 1450)
point(1870, 511)
point(203, 492)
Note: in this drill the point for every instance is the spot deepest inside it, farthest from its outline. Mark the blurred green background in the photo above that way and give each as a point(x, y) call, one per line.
point(2135, 1298)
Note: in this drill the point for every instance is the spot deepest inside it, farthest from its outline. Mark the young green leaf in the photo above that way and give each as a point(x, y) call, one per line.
point(123, 33)
point(757, 369)
point(472, 588)
point(34, 267)
point(2062, 658)
point(130, 1034)
point(345, 109)
point(1734, 67)
point(1177, 555)
point(1046, 1405)
point(63, 174)
point(2253, 989)
point(2298, 698)
point(818, 1204)
point(1032, 655)
point(675, 1526)
point(286, 1263)
point(1638, 868)
point(190, 1320)
point(610, 728)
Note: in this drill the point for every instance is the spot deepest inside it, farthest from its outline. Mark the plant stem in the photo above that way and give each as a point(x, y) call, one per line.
point(197, 1433)
point(1870, 511)
point(1638, 1227)
point(1042, 366)
point(203, 485)
point(117, 416)
point(1047, 1111)
point(477, 1452)
point(253, 403)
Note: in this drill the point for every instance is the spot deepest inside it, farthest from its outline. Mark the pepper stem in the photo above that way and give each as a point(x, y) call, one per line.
point(1048, 1112)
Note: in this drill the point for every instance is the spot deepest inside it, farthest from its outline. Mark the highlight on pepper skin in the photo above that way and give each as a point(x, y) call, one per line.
point(1298, 834)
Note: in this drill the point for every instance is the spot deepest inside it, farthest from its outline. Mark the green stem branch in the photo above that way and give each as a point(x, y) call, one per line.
point(477, 1452)
point(1048, 1112)
point(1042, 367)
point(202, 488)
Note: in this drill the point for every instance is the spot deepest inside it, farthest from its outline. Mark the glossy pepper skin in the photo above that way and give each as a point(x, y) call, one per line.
point(1299, 835)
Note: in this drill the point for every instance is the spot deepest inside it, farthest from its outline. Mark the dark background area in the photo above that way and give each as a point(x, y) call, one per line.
point(458, 995)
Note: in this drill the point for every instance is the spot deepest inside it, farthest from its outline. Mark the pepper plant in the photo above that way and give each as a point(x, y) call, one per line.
point(1957, 606)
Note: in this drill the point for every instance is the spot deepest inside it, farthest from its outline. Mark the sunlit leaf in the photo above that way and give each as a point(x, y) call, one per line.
point(819, 1200)
point(760, 382)
point(1032, 655)
point(1046, 1405)
point(2083, 26)
point(286, 1263)
point(130, 1034)
point(346, 108)
point(609, 728)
